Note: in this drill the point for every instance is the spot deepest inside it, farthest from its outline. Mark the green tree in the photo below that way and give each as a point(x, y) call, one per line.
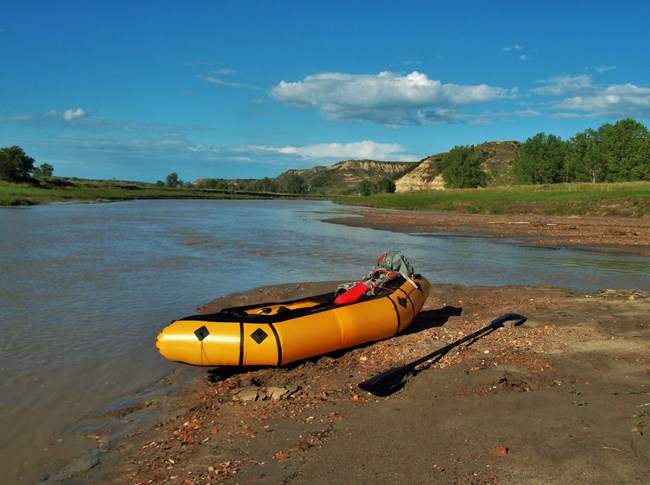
point(462, 168)
point(296, 185)
point(584, 162)
point(386, 185)
point(43, 171)
point(265, 185)
point(541, 160)
point(173, 180)
point(219, 184)
point(15, 165)
point(366, 187)
point(626, 150)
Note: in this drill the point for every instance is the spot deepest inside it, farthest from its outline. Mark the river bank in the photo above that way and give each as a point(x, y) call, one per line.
point(563, 398)
point(626, 235)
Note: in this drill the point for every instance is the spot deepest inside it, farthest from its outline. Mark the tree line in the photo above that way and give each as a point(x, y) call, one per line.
point(17, 166)
point(295, 185)
point(612, 153)
point(617, 152)
point(368, 187)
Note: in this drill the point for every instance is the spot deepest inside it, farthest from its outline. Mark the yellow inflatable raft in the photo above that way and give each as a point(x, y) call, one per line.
point(275, 334)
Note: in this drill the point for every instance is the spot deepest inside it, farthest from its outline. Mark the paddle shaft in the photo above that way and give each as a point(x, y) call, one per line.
point(392, 379)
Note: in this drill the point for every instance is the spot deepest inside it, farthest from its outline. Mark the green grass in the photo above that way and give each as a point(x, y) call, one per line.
point(75, 190)
point(630, 199)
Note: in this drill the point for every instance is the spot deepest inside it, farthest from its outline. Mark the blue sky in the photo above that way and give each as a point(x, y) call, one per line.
point(135, 90)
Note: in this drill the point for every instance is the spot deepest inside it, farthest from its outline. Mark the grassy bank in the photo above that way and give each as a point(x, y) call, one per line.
point(75, 190)
point(630, 199)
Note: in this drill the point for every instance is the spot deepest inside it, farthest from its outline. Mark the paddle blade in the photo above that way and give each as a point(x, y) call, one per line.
point(387, 382)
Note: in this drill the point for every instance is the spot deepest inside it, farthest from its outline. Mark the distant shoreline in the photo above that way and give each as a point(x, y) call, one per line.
point(463, 214)
point(624, 235)
point(89, 191)
point(628, 199)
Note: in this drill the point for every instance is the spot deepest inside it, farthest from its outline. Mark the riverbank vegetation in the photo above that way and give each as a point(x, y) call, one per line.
point(611, 153)
point(629, 199)
point(61, 190)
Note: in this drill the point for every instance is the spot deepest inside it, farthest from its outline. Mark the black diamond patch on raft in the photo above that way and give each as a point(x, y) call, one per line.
point(259, 335)
point(201, 333)
point(402, 301)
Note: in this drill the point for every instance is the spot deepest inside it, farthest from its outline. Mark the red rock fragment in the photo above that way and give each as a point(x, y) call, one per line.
point(501, 451)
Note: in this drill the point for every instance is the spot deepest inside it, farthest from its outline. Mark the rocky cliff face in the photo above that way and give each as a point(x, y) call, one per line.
point(428, 174)
point(345, 176)
point(355, 171)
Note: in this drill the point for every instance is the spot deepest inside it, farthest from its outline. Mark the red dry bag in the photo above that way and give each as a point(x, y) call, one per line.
point(352, 295)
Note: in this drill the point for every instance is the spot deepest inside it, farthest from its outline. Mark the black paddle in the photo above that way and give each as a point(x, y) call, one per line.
point(393, 379)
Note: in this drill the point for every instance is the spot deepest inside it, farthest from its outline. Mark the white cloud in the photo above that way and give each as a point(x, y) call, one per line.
point(579, 96)
point(293, 154)
point(51, 116)
point(514, 49)
point(527, 113)
point(616, 100)
point(229, 84)
point(563, 85)
point(357, 150)
point(72, 114)
point(386, 98)
point(225, 71)
point(602, 69)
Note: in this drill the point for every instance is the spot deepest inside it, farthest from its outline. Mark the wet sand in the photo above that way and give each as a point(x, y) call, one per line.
point(563, 398)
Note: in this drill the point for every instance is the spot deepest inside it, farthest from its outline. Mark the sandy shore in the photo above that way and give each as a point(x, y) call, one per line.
point(564, 398)
point(612, 234)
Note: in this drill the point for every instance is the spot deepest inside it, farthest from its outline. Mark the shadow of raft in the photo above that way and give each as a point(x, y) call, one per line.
point(423, 321)
point(432, 318)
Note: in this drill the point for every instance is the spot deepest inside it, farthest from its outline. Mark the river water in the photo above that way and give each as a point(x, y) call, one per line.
point(84, 289)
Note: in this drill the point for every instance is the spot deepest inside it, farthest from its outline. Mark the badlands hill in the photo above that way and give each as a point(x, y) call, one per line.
point(428, 173)
point(344, 177)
